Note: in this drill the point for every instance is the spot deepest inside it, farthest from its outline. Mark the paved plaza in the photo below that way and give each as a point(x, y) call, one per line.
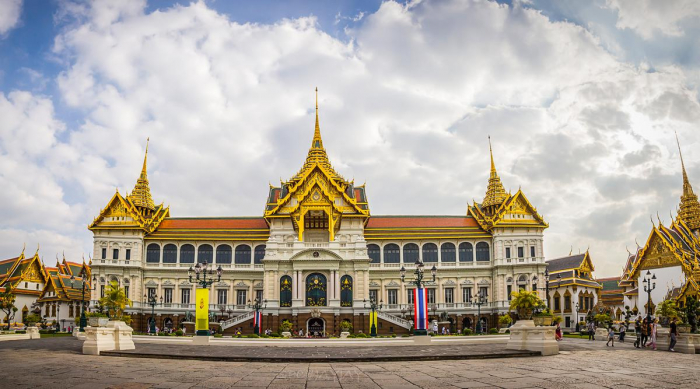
point(51, 363)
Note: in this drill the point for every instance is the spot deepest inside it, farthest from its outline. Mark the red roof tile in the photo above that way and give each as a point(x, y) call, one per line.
point(421, 221)
point(221, 223)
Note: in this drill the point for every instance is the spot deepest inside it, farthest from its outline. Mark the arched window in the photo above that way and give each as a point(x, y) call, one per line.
point(346, 291)
point(153, 253)
point(223, 254)
point(374, 253)
point(392, 253)
point(170, 253)
point(286, 291)
point(259, 253)
point(187, 253)
point(482, 252)
point(410, 253)
point(430, 252)
point(316, 289)
point(205, 253)
point(448, 252)
point(243, 254)
point(466, 252)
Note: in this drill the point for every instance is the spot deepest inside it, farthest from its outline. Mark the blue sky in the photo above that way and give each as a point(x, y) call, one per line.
point(582, 97)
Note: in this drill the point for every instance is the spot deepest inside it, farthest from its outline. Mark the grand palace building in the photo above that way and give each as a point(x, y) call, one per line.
point(316, 256)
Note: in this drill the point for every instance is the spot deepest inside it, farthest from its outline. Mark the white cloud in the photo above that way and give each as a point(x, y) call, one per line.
point(416, 90)
point(647, 17)
point(10, 11)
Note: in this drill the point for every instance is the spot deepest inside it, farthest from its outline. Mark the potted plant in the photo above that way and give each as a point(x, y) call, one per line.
point(345, 328)
point(32, 319)
point(505, 320)
point(525, 303)
point(286, 328)
point(115, 301)
point(544, 317)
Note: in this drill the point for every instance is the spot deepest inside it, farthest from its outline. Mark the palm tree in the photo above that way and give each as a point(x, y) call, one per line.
point(115, 300)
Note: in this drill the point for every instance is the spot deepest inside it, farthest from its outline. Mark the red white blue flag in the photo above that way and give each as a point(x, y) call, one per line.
point(257, 320)
point(420, 307)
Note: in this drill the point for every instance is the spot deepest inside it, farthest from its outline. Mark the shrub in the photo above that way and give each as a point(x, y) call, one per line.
point(493, 331)
point(505, 320)
point(286, 326)
point(21, 332)
point(264, 336)
point(393, 335)
point(352, 336)
point(179, 333)
point(218, 335)
point(275, 335)
point(467, 331)
point(362, 335)
point(346, 326)
point(252, 336)
point(507, 331)
point(162, 334)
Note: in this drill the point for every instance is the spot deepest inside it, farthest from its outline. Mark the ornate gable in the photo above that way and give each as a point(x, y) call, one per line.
point(516, 211)
point(122, 213)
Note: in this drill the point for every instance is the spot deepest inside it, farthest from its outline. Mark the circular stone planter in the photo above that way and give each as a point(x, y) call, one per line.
point(543, 320)
point(98, 321)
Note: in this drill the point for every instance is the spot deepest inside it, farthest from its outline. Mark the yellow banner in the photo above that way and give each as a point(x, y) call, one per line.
point(373, 319)
point(202, 311)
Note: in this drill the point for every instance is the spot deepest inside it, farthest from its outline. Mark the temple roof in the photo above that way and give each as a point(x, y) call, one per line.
point(565, 263)
point(495, 192)
point(141, 195)
point(689, 207)
point(233, 228)
point(423, 227)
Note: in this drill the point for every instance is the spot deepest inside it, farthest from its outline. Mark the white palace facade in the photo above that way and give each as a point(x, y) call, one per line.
point(317, 256)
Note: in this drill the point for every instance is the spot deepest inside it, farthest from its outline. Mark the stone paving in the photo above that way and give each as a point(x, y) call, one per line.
point(582, 364)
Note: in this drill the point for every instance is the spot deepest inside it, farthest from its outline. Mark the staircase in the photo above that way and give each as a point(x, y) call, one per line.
point(407, 324)
point(237, 320)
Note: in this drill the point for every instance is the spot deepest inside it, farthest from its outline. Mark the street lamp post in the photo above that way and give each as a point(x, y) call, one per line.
point(201, 271)
point(578, 329)
point(479, 299)
point(257, 305)
point(374, 307)
point(418, 281)
point(83, 319)
point(153, 301)
point(649, 285)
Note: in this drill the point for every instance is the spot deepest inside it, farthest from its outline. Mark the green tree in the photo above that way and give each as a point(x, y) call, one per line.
point(691, 311)
point(525, 303)
point(115, 300)
point(7, 306)
point(667, 309)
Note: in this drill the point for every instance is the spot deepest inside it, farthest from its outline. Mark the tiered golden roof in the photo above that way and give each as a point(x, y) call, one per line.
point(141, 195)
point(495, 192)
point(689, 207)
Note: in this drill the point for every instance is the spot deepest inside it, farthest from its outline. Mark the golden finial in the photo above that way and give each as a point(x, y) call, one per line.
point(141, 195)
point(317, 142)
point(689, 206)
point(495, 192)
point(24, 246)
point(37, 249)
point(635, 242)
point(571, 250)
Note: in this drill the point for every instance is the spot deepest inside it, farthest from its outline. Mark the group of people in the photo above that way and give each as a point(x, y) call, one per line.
point(646, 331)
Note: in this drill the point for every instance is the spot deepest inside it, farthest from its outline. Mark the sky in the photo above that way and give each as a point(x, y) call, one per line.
point(582, 101)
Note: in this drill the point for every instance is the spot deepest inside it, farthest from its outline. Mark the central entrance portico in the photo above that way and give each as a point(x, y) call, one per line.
point(316, 326)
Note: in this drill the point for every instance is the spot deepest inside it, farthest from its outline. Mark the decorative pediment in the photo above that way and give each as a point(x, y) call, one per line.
point(449, 282)
point(467, 282)
point(484, 282)
point(151, 283)
point(185, 284)
point(258, 285)
point(241, 284)
point(430, 283)
point(168, 282)
point(393, 283)
point(222, 284)
point(374, 284)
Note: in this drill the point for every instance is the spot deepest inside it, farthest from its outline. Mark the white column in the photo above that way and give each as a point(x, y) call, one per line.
point(337, 284)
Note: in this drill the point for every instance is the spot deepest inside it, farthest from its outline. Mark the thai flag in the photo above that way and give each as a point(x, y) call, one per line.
point(257, 320)
point(420, 306)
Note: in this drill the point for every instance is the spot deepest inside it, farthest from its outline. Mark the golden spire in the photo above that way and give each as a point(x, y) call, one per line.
point(317, 142)
point(690, 207)
point(141, 195)
point(495, 193)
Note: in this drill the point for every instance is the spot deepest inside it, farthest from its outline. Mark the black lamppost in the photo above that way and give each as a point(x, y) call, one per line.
point(83, 319)
point(257, 305)
point(578, 328)
point(201, 272)
point(479, 299)
point(229, 311)
point(153, 301)
point(222, 309)
point(649, 285)
point(418, 281)
point(374, 307)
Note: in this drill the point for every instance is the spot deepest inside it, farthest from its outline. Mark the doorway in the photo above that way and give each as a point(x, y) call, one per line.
point(316, 327)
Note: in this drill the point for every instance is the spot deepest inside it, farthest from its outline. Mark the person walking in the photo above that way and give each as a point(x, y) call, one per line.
point(591, 331)
point(622, 332)
point(645, 332)
point(652, 333)
point(638, 332)
point(611, 336)
point(557, 333)
point(673, 334)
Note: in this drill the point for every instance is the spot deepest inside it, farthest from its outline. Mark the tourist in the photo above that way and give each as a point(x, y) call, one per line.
point(611, 336)
point(443, 330)
point(645, 332)
point(673, 333)
point(652, 333)
point(638, 332)
point(557, 333)
point(622, 332)
point(591, 330)
point(301, 333)
point(184, 330)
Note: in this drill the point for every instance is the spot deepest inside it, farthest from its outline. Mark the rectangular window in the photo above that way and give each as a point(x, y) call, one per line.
point(431, 296)
point(449, 295)
point(466, 295)
point(484, 292)
point(568, 322)
point(532, 251)
point(115, 254)
point(557, 304)
point(222, 296)
point(373, 295)
point(168, 296)
point(510, 290)
point(392, 296)
point(241, 297)
point(507, 252)
point(410, 296)
point(185, 296)
point(102, 291)
point(567, 303)
point(128, 254)
point(521, 252)
point(259, 295)
point(151, 292)
point(126, 291)
point(104, 253)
